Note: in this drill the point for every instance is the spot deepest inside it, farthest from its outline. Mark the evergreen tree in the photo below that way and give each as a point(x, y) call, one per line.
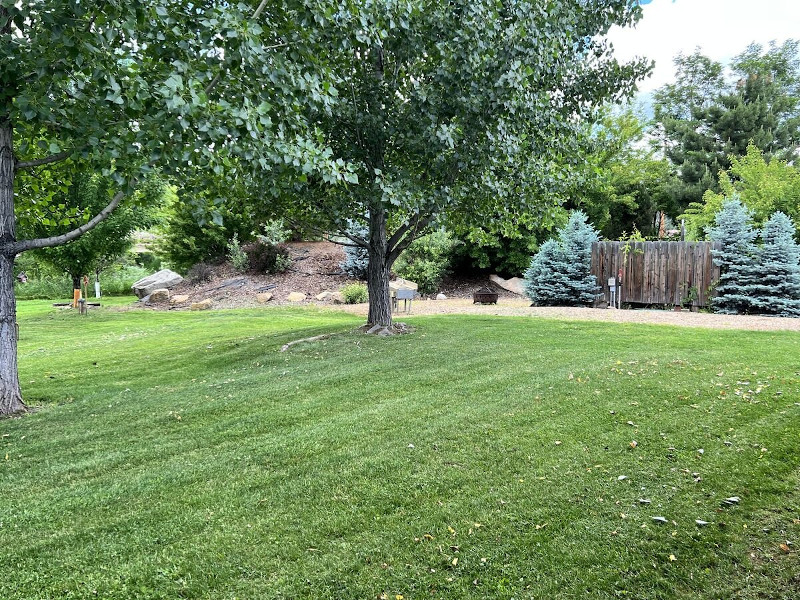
point(356, 258)
point(737, 257)
point(560, 274)
point(779, 291)
point(705, 119)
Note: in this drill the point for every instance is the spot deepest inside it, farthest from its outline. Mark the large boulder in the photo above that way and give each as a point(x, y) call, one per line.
point(163, 279)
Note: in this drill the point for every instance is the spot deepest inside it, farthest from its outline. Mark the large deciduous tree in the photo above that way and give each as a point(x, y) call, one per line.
point(466, 107)
point(122, 86)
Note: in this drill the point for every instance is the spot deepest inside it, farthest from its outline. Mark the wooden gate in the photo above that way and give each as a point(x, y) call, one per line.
point(656, 272)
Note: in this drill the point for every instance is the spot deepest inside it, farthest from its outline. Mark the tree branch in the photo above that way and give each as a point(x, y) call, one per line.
point(357, 241)
point(57, 240)
point(405, 234)
point(38, 162)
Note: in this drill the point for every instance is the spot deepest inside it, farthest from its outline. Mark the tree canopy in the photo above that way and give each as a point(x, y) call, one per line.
point(465, 108)
point(121, 87)
point(763, 186)
point(705, 118)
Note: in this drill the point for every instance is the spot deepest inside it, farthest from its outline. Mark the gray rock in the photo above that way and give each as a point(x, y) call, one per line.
point(512, 285)
point(441, 297)
point(163, 279)
point(296, 297)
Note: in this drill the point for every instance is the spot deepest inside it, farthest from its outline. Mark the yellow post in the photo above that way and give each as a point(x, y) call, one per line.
point(76, 295)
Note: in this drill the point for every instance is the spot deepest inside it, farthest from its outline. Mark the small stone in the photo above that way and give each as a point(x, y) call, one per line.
point(263, 297)
point(441, 296)
point(178, 299)
point(202, 305)
point(323, 296)
point(159, 295)
point(296, 297)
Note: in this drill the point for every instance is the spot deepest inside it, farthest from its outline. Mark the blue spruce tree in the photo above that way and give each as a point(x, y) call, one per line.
point(560, 273)
point(779, 289)
point(356, 258)
point(737, 258)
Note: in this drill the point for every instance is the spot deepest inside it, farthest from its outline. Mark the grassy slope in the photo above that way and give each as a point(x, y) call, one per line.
point(181, 455)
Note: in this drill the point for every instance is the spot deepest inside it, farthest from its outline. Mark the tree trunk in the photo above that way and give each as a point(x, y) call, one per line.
point(10, 396)
point(380, 304)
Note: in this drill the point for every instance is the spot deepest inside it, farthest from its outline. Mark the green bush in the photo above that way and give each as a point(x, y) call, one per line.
point(115, 281)
point(237, 255)
point(200, 273)
point(427, 260)
point(46, 287)
point(191, 236)
point(267, 257)
point(118, 281)
point(354, 293)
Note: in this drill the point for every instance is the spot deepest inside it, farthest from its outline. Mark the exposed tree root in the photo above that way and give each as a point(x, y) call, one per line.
point(315, 338)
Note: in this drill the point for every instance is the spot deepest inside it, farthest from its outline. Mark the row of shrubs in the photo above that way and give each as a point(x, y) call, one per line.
point(114, 281)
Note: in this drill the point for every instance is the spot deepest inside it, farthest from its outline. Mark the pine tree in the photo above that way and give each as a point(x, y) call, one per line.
point(779, 290)
point(738, 258)
point(560, 274)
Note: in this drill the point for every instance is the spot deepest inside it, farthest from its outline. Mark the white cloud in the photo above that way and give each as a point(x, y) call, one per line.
point(722, 28)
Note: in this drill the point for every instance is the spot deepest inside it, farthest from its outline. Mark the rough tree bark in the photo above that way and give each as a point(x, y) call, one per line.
point(380, 303)
point(10, 394)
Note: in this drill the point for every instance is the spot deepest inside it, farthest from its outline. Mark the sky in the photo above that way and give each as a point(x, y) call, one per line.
point(722, 28)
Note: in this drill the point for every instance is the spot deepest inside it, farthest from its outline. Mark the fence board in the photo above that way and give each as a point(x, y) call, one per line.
point(656, 272)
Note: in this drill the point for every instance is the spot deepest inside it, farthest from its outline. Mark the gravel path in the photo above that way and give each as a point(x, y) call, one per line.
point(519, 307)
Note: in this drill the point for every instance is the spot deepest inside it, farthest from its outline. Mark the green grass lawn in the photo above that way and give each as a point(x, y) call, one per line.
point(181, 455)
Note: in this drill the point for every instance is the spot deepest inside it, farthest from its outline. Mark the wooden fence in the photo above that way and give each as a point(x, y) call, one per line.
point(656, 272)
